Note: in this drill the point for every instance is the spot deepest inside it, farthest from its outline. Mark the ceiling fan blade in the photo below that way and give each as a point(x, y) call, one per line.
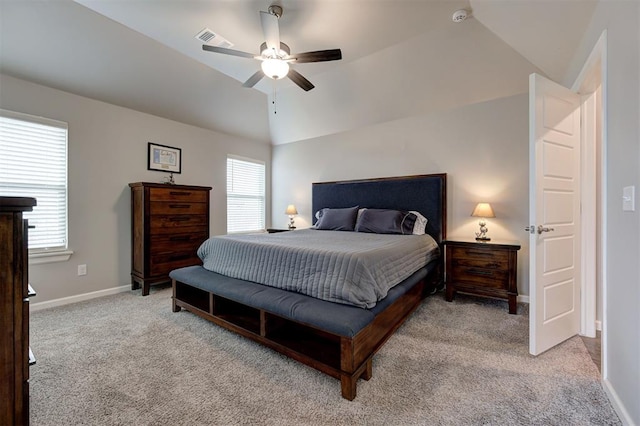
point(318, 56)
point(227, 51)
point(254, 79)
point(299, 79)
point(271, 30)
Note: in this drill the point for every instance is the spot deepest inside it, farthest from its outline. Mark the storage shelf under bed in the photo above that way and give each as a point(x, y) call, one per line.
point(284, 335)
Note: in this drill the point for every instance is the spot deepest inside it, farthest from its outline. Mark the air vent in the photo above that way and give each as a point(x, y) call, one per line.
point(209, 37)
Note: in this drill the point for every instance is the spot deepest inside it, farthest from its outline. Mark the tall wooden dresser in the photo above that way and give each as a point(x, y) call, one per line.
point(14, 311)
point(168, 224)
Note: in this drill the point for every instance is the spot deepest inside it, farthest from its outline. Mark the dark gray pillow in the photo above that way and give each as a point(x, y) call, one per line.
point(337, 219)
point(385, 221)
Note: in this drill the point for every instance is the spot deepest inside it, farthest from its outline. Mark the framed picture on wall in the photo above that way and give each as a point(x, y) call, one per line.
point(164, 158)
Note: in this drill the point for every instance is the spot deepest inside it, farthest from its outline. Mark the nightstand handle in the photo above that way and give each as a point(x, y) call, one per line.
point(480, 272)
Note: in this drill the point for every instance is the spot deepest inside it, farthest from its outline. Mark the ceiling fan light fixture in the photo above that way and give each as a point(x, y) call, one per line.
point(275, 68)
point(282, 53)
point(276, 55)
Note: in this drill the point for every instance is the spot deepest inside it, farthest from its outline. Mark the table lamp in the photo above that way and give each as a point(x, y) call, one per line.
point(483, 210)
point(291, 211)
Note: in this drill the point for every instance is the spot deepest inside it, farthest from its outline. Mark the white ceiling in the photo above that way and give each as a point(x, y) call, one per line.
point(143, 55)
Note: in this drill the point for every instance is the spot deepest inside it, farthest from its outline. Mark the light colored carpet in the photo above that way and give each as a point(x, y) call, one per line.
point(129, 360)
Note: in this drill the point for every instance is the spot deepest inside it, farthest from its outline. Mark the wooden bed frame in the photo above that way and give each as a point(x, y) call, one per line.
point(345, 358)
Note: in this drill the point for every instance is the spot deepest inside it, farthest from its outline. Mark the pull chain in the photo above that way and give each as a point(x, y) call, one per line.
point(274, 99)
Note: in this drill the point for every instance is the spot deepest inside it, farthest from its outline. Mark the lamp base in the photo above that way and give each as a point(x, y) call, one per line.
point(483, 239)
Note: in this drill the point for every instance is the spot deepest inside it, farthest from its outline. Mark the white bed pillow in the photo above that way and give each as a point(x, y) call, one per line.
point(420, 226)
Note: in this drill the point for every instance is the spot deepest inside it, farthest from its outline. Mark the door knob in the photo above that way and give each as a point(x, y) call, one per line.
point(542, 229)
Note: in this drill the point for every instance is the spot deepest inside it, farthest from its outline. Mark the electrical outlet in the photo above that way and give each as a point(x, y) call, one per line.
point(82, 270)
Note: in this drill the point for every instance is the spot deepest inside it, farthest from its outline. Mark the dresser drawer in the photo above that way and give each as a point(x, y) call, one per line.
point(177, 207)
point(164, 263)
point(171, 243)
point(178, 194)
point(177, 223)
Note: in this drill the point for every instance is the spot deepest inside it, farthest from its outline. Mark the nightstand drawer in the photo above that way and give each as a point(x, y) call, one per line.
point(480, 257)
point(494, 278)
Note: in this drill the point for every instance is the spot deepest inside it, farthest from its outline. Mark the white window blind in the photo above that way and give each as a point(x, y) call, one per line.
point(245, 195)
point(33, 163)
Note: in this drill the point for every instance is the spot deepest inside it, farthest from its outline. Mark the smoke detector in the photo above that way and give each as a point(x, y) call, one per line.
point(459, 15)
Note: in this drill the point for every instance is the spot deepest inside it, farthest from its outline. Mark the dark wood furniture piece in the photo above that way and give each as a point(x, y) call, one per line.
point(274, 230)
point(14, 311)
point(482, 268)
point(343, 357)
point(168, 224)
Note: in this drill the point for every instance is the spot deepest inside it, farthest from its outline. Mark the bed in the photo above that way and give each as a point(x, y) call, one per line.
point(330, 329)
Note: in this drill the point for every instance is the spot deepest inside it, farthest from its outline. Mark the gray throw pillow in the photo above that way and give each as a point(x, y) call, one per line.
point(337, 219)
point(386, 221)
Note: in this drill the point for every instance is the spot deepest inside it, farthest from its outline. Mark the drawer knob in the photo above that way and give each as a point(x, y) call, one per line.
point(179, 257)
point(480, 272)
point(181, 219)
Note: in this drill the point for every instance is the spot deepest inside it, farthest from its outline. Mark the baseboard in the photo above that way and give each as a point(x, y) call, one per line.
point(77, 298)
point(523, 299)
point(624, 415)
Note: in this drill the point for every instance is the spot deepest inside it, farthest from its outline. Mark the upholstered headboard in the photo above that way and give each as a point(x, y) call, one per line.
point(424, 193)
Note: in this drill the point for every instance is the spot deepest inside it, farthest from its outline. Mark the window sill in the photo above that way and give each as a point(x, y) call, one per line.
point(49, 257)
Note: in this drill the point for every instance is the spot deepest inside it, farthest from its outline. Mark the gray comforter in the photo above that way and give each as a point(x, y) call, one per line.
point(345, 267)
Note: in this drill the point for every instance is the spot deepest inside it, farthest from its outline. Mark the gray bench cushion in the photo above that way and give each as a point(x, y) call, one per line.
point(343, 320)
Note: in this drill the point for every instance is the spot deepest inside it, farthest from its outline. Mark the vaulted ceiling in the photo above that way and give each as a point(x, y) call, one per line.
point(400, 57)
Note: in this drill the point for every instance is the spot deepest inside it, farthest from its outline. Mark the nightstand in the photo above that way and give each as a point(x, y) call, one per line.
point(273, 230)
point(482, 268)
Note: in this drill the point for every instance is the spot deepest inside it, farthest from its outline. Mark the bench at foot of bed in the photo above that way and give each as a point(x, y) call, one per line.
point(339, 340)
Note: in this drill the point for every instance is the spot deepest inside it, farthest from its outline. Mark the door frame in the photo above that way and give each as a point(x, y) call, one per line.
point(591, 220)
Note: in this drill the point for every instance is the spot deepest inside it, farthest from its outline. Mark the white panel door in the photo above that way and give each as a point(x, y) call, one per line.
point(554, 213)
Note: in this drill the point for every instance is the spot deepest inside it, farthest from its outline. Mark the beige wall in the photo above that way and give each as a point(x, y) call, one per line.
point(482, 147)
point(107, 150)
point(621, 364)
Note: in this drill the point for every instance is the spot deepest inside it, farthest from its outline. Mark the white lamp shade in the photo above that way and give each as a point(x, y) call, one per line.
point(275, 68)
point(483, 210)
point(291, 210)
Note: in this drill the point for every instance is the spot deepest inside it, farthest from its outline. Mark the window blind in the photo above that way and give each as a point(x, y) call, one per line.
point(245, 195)
point(33, 163)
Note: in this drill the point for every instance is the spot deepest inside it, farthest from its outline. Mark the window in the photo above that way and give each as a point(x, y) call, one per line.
point(245, 195)
point(33, 163)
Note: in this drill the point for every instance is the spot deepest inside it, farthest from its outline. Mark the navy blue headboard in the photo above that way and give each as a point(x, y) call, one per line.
point(424, 193)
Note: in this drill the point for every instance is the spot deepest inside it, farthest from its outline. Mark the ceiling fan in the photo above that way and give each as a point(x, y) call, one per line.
point(276, 55)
